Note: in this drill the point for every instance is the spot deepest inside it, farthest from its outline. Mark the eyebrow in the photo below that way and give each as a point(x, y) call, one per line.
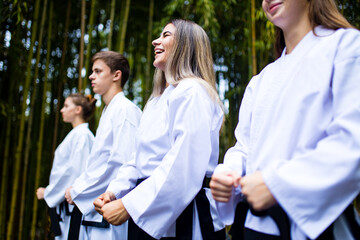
point(165, 33)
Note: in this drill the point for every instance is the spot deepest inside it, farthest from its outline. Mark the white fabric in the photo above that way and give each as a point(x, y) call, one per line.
point(299, 124)
point(113, 146)
point(177, 145)
point(112, 233)
point(68, 164)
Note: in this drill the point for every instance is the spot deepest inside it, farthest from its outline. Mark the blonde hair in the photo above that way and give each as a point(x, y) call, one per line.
point(190, 57)
point(321, 12)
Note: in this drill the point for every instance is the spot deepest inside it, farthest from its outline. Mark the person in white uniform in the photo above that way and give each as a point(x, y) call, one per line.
point(113, 146)
point(177, 146)
point(69, 161)
point(298, 136)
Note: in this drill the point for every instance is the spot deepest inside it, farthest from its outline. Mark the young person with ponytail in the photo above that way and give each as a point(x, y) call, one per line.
point(69, 161)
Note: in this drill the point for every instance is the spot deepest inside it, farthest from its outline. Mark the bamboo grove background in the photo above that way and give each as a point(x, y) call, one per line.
point(45, 52)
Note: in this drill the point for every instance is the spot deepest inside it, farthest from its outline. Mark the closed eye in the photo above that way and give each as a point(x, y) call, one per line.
point(167, 33)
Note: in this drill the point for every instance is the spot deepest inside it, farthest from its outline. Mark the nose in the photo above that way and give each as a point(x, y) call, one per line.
point(155, 42)
point(62, 109)
point(91, 77)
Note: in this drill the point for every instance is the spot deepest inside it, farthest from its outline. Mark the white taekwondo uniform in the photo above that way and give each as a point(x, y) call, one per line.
point(69, 163)
point(114, 145)
point(299, 124)
point(176, 147)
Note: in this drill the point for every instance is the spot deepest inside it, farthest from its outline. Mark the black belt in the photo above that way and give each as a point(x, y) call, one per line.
point(238, 232)
point(102, 224)
point(64, 206)
point(279, 216)
point(282, 221)
point(75, 221)
point(184, 221)
point(55, 219)
point(255, 235)
point(354, 227)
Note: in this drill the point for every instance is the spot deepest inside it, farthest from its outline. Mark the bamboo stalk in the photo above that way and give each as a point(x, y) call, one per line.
point(253, 38)
point(28, 137)
point(88, 47)
point(62, 79)
point(112, 16)
point(146, 83)
point(124, 26)
point(81, 53)
point(19, 147)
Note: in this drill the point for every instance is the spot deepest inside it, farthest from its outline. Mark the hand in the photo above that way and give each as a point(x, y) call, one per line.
point(102, 200)
point(256, 192)
point(222, 183)
point(115, 213)
point(40, 193)
point(68, 196)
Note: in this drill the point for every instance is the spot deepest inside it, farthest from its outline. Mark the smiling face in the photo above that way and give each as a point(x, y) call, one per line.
point(101, 77)
point(286, 14)
point(70, 111)
point(163, 46)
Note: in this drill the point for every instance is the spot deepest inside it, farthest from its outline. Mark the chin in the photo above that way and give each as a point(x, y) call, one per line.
point(159, 65)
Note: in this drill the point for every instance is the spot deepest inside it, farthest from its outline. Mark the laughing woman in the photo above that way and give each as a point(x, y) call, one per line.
point(69, 161)
point(177, 146)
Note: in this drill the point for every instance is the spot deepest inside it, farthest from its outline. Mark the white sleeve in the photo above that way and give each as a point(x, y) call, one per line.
point(235, 157)
point(94, 181)
point(157, 202)
point(68, 171)
point(125, 179)
point(226, 210)
point(314, 187)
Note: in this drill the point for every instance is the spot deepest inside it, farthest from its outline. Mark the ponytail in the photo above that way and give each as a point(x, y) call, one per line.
point(87, 103)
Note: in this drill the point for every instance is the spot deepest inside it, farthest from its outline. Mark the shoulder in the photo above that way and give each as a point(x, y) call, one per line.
point(82, 132)
point(124, 109)
point(347, 36)
point(349, 43)
point(344, 43)
point(255, 80)
point(190, 87)
point(194, 93)
point(123, 104)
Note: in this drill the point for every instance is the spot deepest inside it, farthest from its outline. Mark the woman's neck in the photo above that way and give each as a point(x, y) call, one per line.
point(77, 121)
point(294, 34)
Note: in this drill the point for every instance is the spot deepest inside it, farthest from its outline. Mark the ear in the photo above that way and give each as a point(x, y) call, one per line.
point(117, 75)
point(78, 109)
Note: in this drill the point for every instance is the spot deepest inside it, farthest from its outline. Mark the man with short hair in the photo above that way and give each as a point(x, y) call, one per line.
point(113, 146)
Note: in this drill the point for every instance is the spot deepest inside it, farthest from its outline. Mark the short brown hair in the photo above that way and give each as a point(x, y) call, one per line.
point(115, 61)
